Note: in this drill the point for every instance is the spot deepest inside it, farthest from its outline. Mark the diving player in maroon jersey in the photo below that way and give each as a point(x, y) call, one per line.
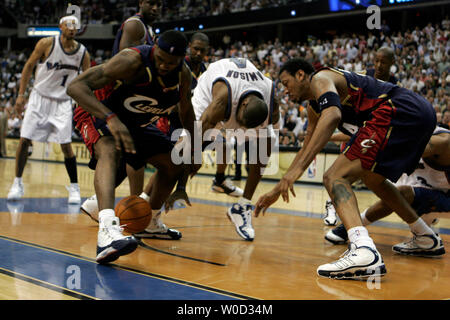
point(394, 124)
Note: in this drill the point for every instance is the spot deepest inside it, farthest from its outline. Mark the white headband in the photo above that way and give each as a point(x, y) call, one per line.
point(71, 18)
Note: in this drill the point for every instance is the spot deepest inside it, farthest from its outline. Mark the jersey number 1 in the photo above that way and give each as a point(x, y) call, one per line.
point(63, 83)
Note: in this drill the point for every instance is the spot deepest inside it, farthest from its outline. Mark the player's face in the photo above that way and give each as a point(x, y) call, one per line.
point(198, 50)
point(292, 85)
point(164, 62)
point(150, 9)
point(382, 66)
point(68, 29)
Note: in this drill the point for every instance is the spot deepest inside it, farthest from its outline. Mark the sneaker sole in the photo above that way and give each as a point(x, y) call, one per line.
point(223, 191)
point(230, 217)
point(111, 254)
point(361, 273)
point(88, 214)
point(423, 253)
point(337, 242)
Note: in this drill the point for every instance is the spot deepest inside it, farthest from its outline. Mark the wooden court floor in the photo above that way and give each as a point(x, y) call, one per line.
point(48, 249)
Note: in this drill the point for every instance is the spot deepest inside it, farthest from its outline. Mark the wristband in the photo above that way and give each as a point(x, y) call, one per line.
point(109, 116)
point(21, 95)
point(329, 99)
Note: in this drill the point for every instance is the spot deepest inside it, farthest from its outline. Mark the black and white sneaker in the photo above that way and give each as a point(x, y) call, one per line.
point(158, 230)
point(355, 263)
point(241, 216)
point(337, 235)
point(330, 214)
point(427, 245)
point(227, 187)
point(111, 243)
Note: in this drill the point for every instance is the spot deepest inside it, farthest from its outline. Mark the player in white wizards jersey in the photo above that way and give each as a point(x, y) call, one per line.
point(427, 189)
point(233, 94)
point(48, 116)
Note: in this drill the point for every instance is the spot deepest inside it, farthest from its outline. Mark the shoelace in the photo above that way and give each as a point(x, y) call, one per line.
point(246, 214)
point(345, 257)
point(115, 232)
point(72, 189)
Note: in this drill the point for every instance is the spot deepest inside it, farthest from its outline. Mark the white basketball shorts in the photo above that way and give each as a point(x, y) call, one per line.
point(47, 120)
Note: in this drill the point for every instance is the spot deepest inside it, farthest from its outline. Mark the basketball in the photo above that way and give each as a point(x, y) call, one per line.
point(134, 213)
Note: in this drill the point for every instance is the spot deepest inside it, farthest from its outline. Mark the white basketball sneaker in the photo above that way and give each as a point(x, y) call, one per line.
point(355, 263)
point(111, 243)
point(427, 245)
point(17, 190)
point(158, 230)
point(74, 193)
point(330, 214)
point(241, 216)
point(90, 207)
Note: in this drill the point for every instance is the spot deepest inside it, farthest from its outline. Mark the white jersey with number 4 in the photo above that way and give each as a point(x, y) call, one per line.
point(241, 78)
point(58, 70)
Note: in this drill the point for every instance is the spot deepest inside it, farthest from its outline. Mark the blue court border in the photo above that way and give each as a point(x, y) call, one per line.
point(83, 278)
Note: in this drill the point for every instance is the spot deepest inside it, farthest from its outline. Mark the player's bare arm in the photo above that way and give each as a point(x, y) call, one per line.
point(326, 124)
point(86, 61)
point(216, 110)
point(40, 53)
point(123, 66)
point(132, 35)
point(319, 136)
point(186, 110)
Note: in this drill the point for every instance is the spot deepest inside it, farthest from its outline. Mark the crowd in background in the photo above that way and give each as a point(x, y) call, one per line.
point(421, 65)
point(114, 11)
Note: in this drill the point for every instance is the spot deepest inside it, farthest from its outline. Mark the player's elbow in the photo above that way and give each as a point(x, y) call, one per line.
point(332, 115)
point(72, 89)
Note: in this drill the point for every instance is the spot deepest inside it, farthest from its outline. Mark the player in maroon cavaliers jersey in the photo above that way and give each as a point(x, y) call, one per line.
point(394, 126)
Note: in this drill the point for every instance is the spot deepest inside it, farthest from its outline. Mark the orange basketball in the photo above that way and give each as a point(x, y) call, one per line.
point(134, 213)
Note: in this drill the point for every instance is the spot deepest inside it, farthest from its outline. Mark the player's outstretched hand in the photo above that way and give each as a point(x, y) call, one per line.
point(19, 106)
point(266, 200)
point(121, 135)
point(176, 195)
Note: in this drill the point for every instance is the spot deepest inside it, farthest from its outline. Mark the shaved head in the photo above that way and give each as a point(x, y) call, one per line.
point(254, 111)
point(387, 52)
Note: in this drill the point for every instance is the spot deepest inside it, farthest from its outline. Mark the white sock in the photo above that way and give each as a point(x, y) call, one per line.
point(144, 196)
point(243, 201)
point(360, 236)
point(364, 219)
point(420, 227)
point(105, 215)
point(156, 213)
point(18, 180)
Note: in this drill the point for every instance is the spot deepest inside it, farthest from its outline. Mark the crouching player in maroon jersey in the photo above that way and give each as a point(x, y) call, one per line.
point(148, 82)
point(394, 126)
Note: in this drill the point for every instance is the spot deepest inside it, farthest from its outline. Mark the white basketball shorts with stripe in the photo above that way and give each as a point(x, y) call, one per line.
point(47, 120)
